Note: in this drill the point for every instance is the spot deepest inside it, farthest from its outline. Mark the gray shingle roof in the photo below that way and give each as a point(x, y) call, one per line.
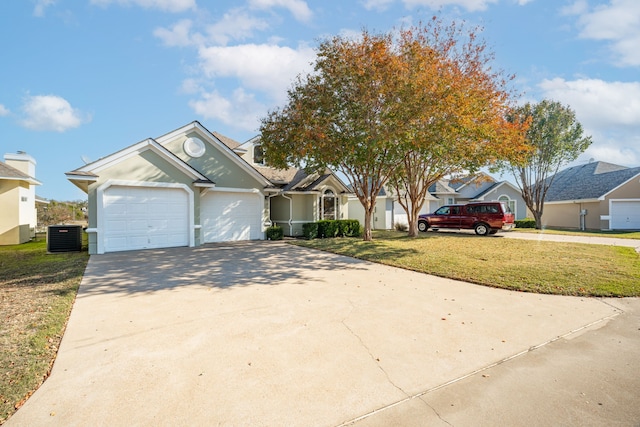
point(589, 181)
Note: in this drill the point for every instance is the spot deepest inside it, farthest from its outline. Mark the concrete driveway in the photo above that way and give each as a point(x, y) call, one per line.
point(269, 334)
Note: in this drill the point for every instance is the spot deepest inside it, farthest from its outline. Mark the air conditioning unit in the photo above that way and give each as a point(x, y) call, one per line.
point(64, 238)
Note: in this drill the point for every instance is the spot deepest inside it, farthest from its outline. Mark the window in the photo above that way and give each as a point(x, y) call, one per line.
point(23, 199)
point(510, 204)
point(258, 155)
point(328, 205)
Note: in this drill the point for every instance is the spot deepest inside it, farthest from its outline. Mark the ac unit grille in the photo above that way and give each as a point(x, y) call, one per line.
point(64, 238)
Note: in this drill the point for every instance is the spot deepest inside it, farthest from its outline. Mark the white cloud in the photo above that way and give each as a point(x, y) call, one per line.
point(596, 101)
point(618, 23)
point(177, 35)
point(267, 68)
point(241, 111)
point(51, 113)
point(469, 5)
point(608, 111)
point(298, 8)
point(164, 5)
point(40, 7)
point(236, 24)
point(4, 111)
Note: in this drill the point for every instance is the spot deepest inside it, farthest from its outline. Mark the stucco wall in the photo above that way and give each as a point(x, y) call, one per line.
point(567, 215)
point(15, 215)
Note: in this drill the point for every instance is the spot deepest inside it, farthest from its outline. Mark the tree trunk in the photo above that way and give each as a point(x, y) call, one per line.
point(366, 233)
point(538, 217)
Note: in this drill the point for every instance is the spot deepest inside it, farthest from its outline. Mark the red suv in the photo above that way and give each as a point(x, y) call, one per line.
point(483, 217)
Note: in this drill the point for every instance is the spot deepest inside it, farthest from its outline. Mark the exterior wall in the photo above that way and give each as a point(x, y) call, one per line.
point(567, 215)
point(214, 164)
point(379, 221)
point(400, 215)
point(15, 215)
point(146, 167)
point(513, 194)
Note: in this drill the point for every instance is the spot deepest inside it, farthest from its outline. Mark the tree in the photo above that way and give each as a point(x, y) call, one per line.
point(341, 117)
point(554, 138)
point(408, 106)
point(456, 111)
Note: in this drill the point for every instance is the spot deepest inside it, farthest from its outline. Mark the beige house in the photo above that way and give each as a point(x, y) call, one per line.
point(594, 196)
point(18, 216)
point(192, 186)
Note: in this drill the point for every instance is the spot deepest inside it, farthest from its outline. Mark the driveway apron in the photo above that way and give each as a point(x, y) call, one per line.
point(270, 334)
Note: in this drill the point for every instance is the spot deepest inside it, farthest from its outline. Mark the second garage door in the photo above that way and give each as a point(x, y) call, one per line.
point(625, 215)
point(231, 216)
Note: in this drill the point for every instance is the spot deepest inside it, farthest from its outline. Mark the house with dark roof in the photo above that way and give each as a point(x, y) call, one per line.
point(18, 217)
point(596, 196)
point(458, 190)
point(192, 186)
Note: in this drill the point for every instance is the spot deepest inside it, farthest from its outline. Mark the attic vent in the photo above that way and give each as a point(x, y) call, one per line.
point(194, 147)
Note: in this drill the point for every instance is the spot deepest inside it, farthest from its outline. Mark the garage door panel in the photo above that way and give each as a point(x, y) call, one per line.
point(231, 216)
point(145, 217)
point(625, 215)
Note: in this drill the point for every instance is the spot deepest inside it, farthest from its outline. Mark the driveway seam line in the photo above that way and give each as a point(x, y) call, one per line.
point(477, 371)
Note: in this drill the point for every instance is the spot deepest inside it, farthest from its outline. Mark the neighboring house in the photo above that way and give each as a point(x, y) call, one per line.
point(596, 196)
point(478, 187)
point(191, 187)
point(18, 216)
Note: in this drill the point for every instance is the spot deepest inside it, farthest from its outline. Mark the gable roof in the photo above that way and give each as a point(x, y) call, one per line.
point(589, 181)
point(13, 174)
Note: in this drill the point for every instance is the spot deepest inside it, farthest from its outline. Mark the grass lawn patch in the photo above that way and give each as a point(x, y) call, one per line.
point(37, 291)
point(522, 265)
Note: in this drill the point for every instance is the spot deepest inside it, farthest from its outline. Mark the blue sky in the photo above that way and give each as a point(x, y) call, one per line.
point(80, 79)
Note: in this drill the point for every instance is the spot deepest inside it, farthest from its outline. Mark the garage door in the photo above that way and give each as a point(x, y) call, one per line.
point(231, 216)
point(625, 215)
point(145, 217)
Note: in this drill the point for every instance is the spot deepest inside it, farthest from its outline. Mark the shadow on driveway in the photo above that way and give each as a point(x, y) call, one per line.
point(222, 265)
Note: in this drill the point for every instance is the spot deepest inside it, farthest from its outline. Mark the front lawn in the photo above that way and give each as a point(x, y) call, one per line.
point(37, 291)
point(523, 265)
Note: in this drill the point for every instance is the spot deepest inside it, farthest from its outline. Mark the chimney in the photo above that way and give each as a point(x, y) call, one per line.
point(22, 161)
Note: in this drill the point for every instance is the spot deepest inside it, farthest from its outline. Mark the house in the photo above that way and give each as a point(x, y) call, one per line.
point(460, 190)
point(18, 216)
point(596, 196)
point(192, 186)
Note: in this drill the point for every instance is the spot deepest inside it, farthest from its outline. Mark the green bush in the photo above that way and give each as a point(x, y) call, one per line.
point(275, 232)
point(351, 227)
point(525, 223)
point(327, 228)
point(338, 228)
point(310, 230)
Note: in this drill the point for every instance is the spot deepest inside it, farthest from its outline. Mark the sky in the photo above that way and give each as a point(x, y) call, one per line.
point(81, 79)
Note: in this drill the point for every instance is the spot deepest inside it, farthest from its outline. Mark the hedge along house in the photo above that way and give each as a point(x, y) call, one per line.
point(594, 196)
point(191, 187)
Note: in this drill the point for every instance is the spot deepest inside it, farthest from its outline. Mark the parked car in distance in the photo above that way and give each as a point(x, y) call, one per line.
point(482, 217)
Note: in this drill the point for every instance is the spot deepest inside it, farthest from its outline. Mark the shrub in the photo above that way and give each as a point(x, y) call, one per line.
point(525, 223)
point(327, 228)
point(275, 232)
point(350, 227)
point(310, 230)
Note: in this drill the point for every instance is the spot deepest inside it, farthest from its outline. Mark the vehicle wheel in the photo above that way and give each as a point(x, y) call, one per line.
point(423, 226)
point(482, 229)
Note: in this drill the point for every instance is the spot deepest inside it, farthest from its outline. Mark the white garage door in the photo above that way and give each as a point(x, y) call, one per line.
point(145, 217)
point(625, 215)
point(231, 216)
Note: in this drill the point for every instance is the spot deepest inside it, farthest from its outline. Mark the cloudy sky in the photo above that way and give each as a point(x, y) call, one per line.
point(80, 79)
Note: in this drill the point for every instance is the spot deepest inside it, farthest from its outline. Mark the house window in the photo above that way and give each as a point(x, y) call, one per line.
point(511, 204)
point(23, 199)
point(328, 205)
point(450, 200)
point(258, 155)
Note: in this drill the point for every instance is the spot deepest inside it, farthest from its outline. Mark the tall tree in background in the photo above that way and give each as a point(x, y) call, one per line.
point(554, 138)
point(342, 116)
point(455, 111)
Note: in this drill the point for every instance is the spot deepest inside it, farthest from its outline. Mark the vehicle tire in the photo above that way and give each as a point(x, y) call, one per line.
point(423, 226)
point(482, 229)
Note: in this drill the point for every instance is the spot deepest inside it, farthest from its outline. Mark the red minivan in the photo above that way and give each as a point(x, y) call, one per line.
point(483, 217)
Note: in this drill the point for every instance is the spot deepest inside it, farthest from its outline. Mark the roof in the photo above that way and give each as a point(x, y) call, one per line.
point(588, 181)
point(11, 173)
point(231, 143)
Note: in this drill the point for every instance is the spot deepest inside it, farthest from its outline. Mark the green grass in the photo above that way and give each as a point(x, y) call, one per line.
point(522, 265)
point(37, 291)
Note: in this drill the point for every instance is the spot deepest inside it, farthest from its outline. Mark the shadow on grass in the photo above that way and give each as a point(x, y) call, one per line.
point(221, 265)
